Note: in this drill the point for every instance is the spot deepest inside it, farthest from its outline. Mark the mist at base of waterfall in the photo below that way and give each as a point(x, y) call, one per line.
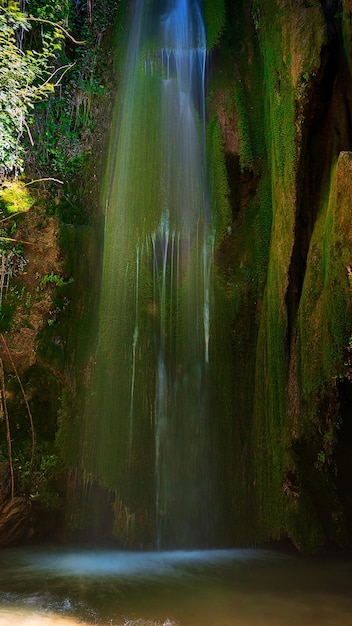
point(195, 588)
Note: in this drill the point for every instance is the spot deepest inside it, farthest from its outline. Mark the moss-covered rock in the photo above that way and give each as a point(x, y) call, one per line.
point(288, 268)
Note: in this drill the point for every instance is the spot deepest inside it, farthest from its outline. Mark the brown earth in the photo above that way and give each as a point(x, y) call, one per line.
point(40, 234)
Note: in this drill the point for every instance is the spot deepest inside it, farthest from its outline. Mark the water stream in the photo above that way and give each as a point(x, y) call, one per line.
point(149, 427)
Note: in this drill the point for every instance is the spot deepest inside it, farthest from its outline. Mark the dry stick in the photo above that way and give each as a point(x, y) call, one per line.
point(8, 432)
point(27, 243)
point(2, 275)
point(38, 19)
point(10, 216)
point(39, 180)
point(28, 131)
point(58, 69)
point(24, 397)
point(89, 7)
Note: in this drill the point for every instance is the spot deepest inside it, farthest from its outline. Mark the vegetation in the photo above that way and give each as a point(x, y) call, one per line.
point(27, 77)
point(215, 21)
point(53, 72)
point(48, 83)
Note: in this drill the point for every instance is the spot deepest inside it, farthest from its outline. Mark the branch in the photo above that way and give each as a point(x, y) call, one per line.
point(8, 432)
point(37, 19)
point(24, 397)
point(27, 243)
point(39, 180)
point(63, 74)
point(10, 216)
point(63, 67)
point(28, 131)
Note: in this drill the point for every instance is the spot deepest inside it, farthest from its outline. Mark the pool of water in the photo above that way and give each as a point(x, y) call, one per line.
point(200, 588)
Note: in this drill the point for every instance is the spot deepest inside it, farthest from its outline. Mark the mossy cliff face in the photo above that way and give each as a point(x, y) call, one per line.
point(281, 86)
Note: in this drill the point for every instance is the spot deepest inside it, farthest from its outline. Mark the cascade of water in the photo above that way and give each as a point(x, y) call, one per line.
point(147, 420)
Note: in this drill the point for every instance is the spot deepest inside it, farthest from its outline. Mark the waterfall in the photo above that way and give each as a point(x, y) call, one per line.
point(148, 417)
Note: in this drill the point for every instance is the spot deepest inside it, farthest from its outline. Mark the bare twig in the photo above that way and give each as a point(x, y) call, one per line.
point(39, 180)
point(63, 67)
point(27, 243)
point(8, 432)
point(89, 9)
point(37, 19)
point(11, 216)
point(3, 276)
point(28, 131)
point(24, 397)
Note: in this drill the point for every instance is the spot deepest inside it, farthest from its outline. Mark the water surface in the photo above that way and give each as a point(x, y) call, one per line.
point(200, 588)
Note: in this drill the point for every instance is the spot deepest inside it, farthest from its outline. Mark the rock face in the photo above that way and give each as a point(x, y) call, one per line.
point(288, 264)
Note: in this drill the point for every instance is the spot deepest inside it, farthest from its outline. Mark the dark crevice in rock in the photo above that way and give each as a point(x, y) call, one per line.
point(232, 162)
point(249, 182)
point(243, 185)
point(329, 8)
point(316, 157)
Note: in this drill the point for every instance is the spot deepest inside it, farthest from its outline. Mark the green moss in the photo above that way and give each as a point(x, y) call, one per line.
point(269, 413)
point(14, 197)
point(268, 66)
point(258, 224)
point(214, 17)
point(325, 309)
point(218, 183)
point(248, 94)
point(244, 128)
point(304, 526)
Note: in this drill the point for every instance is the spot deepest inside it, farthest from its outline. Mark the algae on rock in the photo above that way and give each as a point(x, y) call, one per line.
point(292, 317)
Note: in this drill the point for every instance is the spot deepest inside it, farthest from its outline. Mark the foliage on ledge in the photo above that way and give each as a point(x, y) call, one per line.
point(54, 83)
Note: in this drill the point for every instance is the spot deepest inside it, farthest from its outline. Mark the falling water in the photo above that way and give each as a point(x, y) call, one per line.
point(147, 419)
